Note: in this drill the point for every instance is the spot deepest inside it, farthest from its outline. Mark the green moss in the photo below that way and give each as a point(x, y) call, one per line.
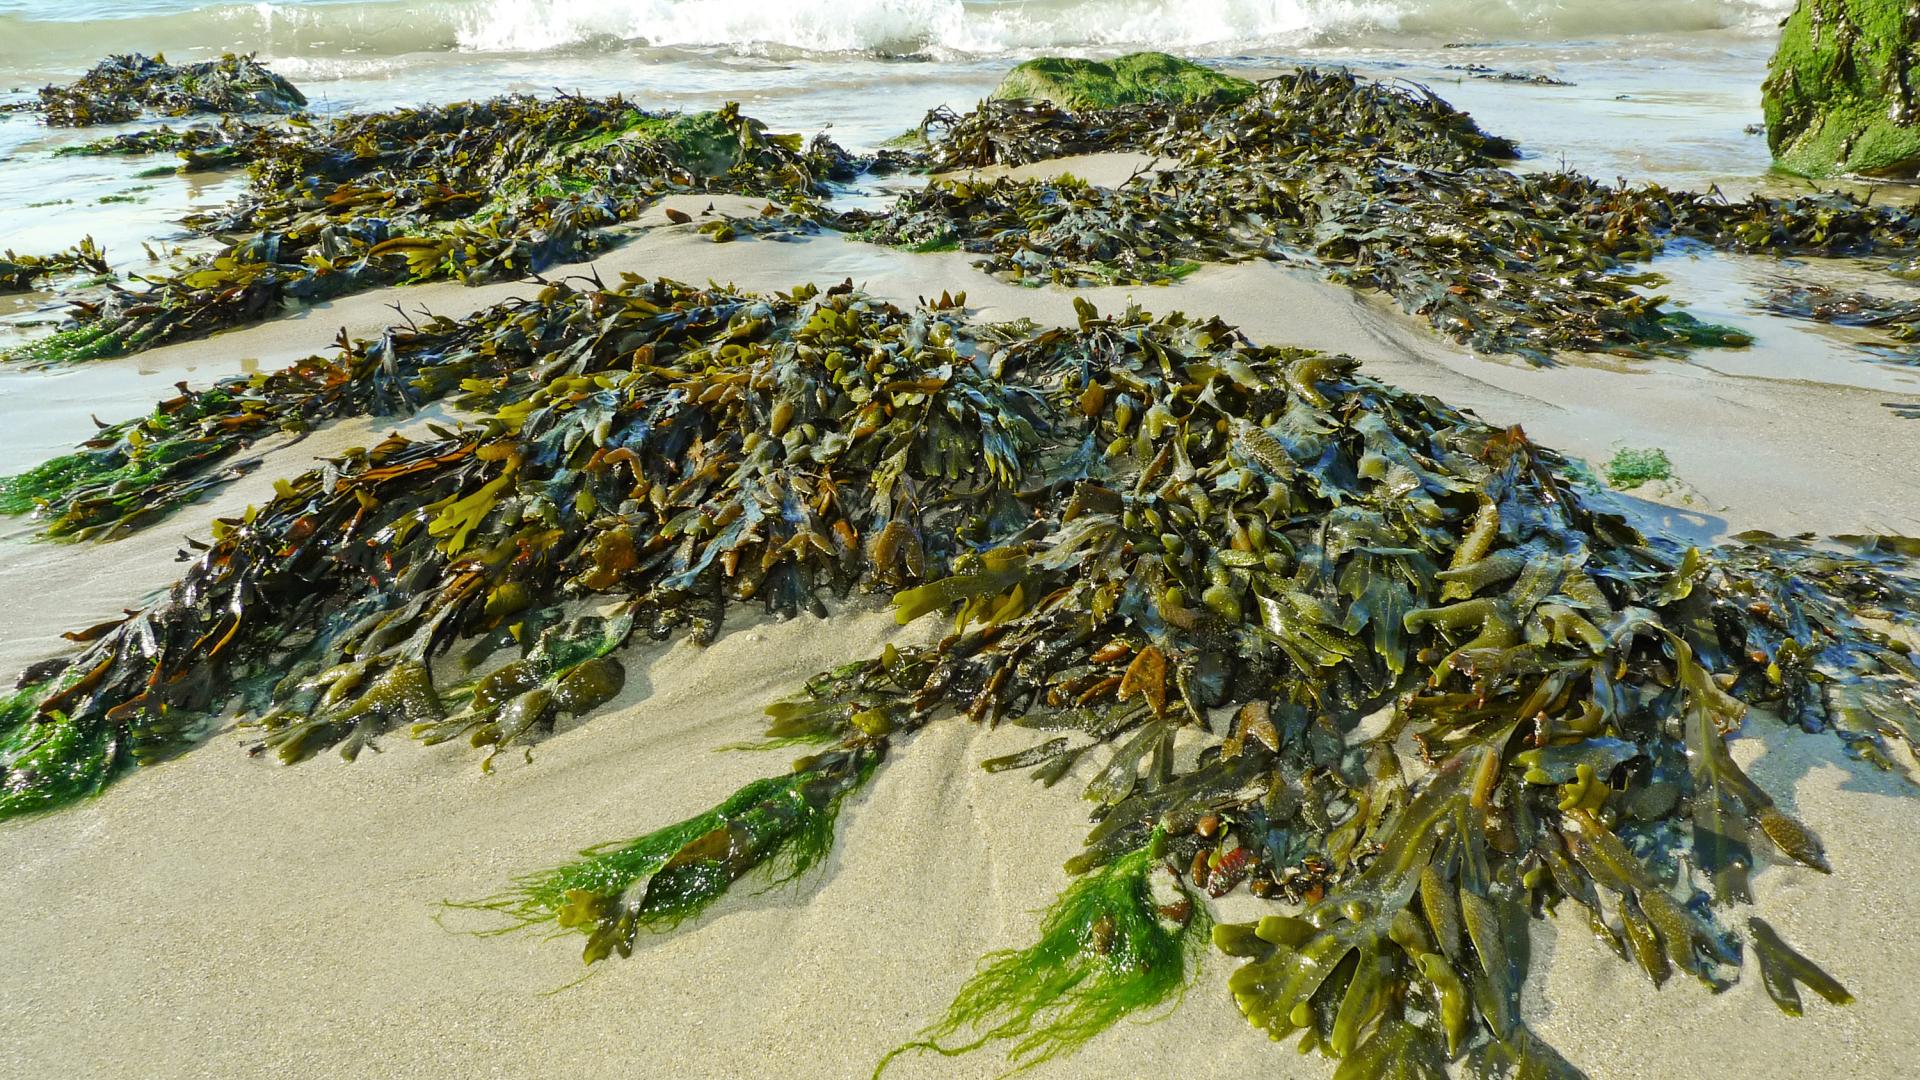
point(1631, 468)
point(1839, 96)
point(1138, 77)
point(1106, 950)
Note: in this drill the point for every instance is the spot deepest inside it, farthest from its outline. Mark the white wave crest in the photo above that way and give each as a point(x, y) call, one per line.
point(57, 32)
point(982, 27)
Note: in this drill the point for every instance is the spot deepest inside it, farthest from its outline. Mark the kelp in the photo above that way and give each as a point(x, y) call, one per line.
point(1383, 186)
point(472, 191)
point(1141, 532)
point(1115, 943)
point(121, 87)
point(19, 273)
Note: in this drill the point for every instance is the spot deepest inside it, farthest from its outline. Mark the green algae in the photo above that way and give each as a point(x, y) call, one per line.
point(1630, 467)
point(1125, 80)
point(782, 826)
point(1839, 94)
point(50, 761)
point(1112, 945)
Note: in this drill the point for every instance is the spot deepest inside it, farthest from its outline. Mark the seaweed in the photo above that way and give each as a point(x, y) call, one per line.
point(1896, 323)
point(19, 272)
point(1134, 527)
point(1383, 186)
point(1117, 941)
point(472, 191)
point(120, 87)
point(781, 826)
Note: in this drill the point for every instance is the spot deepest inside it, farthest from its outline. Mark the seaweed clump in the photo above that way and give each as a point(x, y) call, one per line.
point(1384, 187)
point(121, 87)
point(20, 273)
point(1895, 323)
point(473, 191)
point(1142, 530)
point(1115, 942)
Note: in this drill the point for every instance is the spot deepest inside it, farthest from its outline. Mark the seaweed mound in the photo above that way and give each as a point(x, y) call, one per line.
point(474, 191)
point(1127, 80)
point(1839, 96)
point(120, 87)
point(1142, 530)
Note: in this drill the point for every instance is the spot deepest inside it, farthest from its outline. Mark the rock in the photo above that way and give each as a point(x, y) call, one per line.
point(1839, 96)
point(1137, 77)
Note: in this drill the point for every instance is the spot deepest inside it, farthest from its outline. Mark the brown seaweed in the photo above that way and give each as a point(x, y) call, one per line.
point(1134, 526)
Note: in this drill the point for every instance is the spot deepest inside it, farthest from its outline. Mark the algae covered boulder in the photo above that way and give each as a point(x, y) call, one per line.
point(1126, 80)
point(1839, 96)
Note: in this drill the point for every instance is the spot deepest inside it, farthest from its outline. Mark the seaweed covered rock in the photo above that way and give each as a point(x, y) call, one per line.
point(120, 87)
point(1839, 97)
point(1125, 80)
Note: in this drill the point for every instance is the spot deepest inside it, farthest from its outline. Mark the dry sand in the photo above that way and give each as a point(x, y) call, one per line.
point(218, 916)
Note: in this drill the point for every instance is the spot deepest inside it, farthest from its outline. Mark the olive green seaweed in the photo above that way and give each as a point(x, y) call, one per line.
point(1114, 943)
point(1783, 969)
point(1134, 525)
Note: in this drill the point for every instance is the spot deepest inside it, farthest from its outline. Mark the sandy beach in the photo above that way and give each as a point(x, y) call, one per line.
point(219, 915)
point(1423, 635)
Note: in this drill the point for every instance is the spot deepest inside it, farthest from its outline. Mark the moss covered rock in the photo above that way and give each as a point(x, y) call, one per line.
point(1839, 95)
point(1136, 77)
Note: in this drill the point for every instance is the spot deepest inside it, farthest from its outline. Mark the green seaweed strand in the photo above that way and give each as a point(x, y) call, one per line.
point(1108, 947)
point(783, 824)
point(50, 761)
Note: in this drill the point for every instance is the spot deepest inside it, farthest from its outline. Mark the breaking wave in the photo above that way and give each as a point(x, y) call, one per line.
point(50, 30)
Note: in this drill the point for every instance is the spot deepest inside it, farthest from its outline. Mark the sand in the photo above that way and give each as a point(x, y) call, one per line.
point(220, 916)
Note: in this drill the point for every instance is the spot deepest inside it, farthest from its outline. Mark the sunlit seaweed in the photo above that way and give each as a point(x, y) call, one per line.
point(1116, 942)
point(19, 273)
point(473, 191)
point(119, 88)
point(1137, 529)
point(781, 826)
point(1383, 186)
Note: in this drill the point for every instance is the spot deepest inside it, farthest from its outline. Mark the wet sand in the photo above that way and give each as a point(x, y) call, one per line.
point(218, 915)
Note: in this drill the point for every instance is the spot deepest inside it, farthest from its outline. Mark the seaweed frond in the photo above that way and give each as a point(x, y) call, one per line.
point(1116, 942)
point(782, 825)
